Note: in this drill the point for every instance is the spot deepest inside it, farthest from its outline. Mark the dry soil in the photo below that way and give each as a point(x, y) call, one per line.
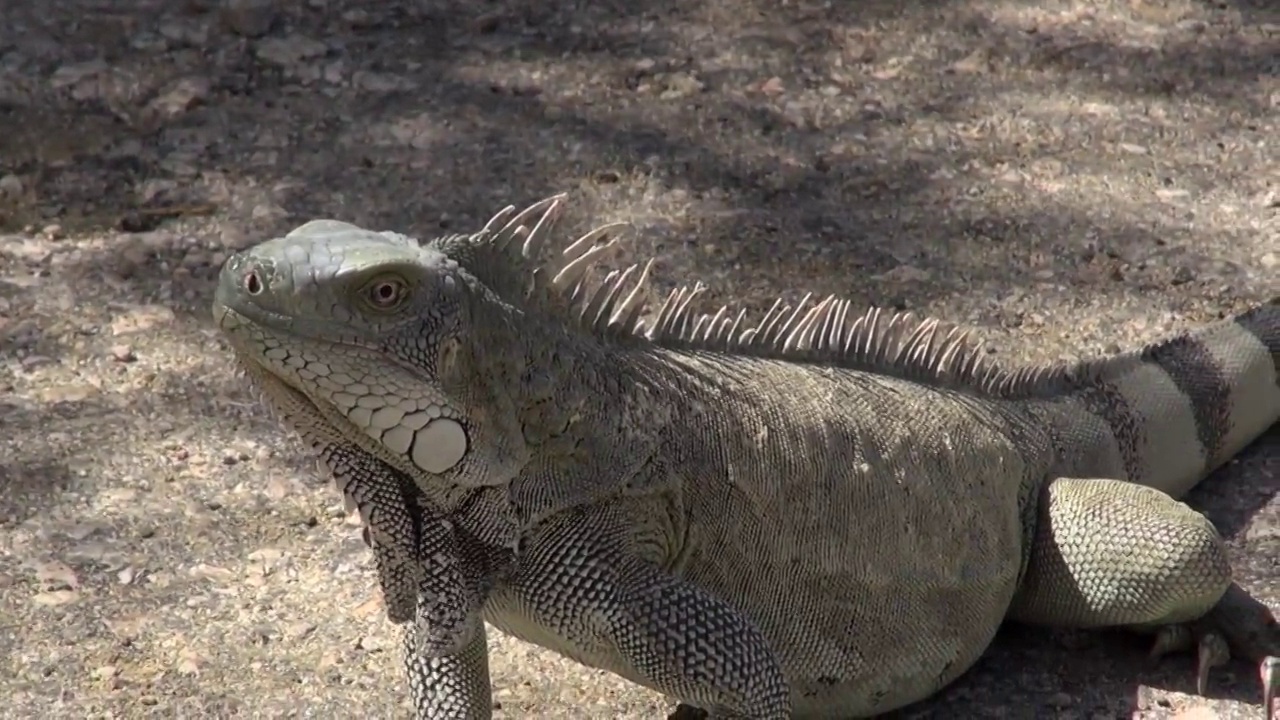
point(1071, 176)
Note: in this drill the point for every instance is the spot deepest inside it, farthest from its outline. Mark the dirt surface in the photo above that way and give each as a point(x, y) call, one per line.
point(1070, 176)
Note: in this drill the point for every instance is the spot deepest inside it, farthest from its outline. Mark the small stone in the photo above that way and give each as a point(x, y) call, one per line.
point(123, 353)
point(370, 643)
point(141, 319)
point(299, 630)
point(381, 82)
point(904, 274)
point(1061, 700)
point(189, 662)
point(249, 18)
point(75, 73)
point(11, 187)
point(52, 231)
point(55, 597)
point(334, 72)
point(369, 607)
point(488, 23)
point(290, 51)
point(210, 572)
point(67, 392)
point(1196, 713)
point(193, 34)
point(149, 42)
point(57, 575)
point(32, 362)
point(976, 62)
point(773, 86)
point(359, 19)
point(179, 97)
point(681, 84)
point(195, 259)
point(15, 90)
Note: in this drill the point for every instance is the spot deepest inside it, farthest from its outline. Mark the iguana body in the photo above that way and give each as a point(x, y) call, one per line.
point(823, 514)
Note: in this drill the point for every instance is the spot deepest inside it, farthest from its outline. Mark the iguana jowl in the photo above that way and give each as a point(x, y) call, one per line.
point(819, 514)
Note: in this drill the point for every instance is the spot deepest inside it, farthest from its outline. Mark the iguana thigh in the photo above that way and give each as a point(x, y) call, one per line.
point(1114, 553)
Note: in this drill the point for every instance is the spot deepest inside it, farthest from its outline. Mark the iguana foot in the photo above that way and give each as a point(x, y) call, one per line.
point(1211, 649)
point(1250, 631)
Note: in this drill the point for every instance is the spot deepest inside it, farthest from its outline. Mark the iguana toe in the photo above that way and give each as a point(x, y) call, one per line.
point(1171, 638)
point(1250, 631)
point(1211, 652)
point(1269, 670)
point(1212, 649)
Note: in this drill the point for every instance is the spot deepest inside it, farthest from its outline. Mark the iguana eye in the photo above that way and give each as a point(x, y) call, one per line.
point(386, 293)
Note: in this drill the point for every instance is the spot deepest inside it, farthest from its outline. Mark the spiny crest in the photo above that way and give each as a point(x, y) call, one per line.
point(877, 340)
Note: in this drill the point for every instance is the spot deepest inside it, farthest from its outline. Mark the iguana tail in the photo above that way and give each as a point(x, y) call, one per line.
point(1167, 415)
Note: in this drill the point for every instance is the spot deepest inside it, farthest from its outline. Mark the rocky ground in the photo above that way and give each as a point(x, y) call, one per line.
point(1073, 176)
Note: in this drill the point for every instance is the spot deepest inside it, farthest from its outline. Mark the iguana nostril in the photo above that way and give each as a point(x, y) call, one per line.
point(252, 283)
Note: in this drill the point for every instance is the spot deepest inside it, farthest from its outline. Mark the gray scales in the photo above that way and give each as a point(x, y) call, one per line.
point(821, 513)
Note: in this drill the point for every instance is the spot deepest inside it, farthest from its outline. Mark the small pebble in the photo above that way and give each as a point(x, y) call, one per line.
point(250, 18)
point(11, 186)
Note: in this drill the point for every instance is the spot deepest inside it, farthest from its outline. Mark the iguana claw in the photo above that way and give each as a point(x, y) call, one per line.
point(1212, 650)
point(1269, 670)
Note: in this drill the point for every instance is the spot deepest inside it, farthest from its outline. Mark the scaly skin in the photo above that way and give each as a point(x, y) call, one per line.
point(822, 515)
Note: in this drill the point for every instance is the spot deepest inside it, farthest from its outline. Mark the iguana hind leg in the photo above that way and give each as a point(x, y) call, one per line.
point(1113, 553)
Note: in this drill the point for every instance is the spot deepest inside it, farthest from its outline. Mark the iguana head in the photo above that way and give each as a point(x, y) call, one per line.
point(395, 345)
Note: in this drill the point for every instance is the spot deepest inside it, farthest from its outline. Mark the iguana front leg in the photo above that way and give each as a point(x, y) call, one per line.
point(453, 686)
point(446, 653)
point(577, 578)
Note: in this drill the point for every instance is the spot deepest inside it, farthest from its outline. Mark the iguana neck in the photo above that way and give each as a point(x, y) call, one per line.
point(561, 376)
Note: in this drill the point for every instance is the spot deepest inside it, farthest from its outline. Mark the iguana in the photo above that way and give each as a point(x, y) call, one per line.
point(822, 513)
